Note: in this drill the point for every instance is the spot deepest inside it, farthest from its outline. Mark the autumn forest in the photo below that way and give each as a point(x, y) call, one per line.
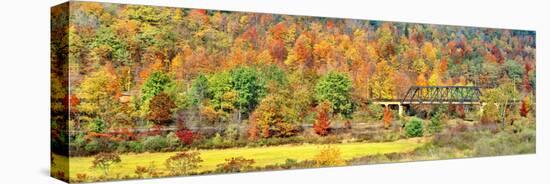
point(143, 91)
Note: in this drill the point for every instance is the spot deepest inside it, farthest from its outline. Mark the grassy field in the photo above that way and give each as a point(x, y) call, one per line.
point(261, 155)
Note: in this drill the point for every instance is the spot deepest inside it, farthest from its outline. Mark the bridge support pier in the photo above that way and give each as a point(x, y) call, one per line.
point(390, 104)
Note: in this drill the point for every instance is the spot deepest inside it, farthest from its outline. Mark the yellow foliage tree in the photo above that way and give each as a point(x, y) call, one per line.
point(97, 92)
point(430, 53)
point(381, 82)
point(434, 79)
point(176, 67)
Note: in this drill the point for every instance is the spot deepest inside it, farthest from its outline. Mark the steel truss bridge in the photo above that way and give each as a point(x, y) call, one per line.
point(436, 95)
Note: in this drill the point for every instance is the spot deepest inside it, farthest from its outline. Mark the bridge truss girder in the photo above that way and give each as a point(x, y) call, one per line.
point(442, 95)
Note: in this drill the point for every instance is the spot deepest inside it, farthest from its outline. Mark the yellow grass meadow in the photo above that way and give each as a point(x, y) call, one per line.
point(262, 156)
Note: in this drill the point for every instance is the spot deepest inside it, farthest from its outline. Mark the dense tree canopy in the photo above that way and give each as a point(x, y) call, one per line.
point(220, 66)
point(249, 87)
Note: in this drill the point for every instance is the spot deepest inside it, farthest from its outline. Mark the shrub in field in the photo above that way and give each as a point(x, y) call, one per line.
point(77, 145)
point(217, 140)
point(140, 171)
point(135, 146)
point(289, 163)
point(435, 125)
point(104, 161)
point(81, 177)
point(231, 132)
point(183, 163)
point(322, 124)
point(147, 171)
point(100, 142)
point(173, 140)
point(376, 111)
point(235, 164)
point(92, 147)
point(123, 147)
point(414, 128)
point(521, 124)
point(129, 146)
point(329, 156)
point(155, 143)
point(97, 145)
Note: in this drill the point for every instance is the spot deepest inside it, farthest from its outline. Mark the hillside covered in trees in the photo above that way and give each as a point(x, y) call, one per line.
point(254, 76)
point(120, 47)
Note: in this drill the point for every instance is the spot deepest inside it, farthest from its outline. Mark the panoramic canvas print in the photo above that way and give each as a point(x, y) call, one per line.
point(144, 92)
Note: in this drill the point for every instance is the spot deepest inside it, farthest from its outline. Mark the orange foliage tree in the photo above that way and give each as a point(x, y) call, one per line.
point(253, 129)
point(322, 123)
point(525, 106)
point(388, 115)
point(161, 108)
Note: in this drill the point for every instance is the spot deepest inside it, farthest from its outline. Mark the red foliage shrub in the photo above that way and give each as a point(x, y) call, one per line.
point(186, 136)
